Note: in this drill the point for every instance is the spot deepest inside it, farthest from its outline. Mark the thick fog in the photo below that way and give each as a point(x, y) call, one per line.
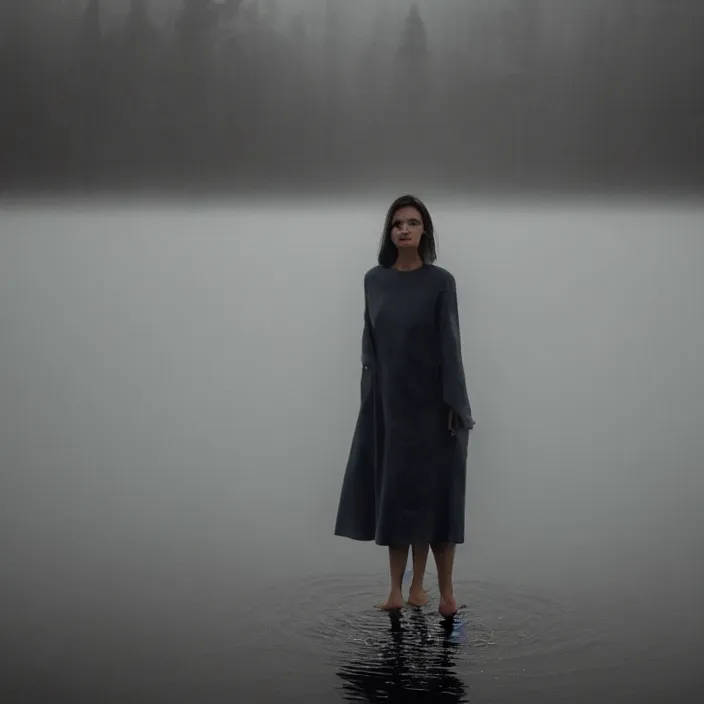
point(190, 194)
point(179, 389)
point(326, 96)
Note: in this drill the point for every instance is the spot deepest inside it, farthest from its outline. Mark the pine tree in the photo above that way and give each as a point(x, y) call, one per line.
point(195, 27)
point(90, 41)
point(90, 95)
point(412, 75)
point(411, 95)
point(137, 89)
point(17, 71)
point(331, 132)
point(191, 84)
point(413, 48)
point(140, 33)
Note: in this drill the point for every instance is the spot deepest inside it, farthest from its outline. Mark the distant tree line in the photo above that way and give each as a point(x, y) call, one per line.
point(220, 99)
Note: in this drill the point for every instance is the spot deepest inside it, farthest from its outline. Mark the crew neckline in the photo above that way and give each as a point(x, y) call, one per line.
point(409, 271)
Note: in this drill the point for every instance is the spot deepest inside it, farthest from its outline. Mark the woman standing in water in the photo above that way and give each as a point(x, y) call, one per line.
point(404, 485)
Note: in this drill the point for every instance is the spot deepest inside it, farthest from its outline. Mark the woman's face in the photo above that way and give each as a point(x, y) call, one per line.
point(406, 228)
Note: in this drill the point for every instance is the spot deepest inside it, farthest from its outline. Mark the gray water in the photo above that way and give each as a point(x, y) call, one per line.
point(178, 390)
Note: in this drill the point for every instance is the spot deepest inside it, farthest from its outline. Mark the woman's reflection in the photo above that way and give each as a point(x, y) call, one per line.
point(413, 660)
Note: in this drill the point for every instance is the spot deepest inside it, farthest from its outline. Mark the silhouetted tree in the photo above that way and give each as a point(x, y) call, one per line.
point(140, 33)
point(522, 91)
point(331, 129)
point(90, 44)
point(412, 96)
point(135, 94)
point(90, 96)
point(231, 107)
point(17, 55)
point(371, 104)
point(296, 98)
point(412, 63)
point(190, 85)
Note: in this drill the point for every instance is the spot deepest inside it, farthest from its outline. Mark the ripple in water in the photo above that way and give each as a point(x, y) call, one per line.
point(507, 641)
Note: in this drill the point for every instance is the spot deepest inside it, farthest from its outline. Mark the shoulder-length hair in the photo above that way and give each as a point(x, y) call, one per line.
point(427, 249)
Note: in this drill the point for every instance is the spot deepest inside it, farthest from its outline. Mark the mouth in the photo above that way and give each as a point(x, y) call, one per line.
point(404, 238)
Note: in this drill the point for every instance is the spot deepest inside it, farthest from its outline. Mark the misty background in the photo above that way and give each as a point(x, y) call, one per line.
point(453, 96)
point(179, 378)
point(178, 399)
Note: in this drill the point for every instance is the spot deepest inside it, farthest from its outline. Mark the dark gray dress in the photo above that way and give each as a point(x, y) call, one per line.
point(405, 476)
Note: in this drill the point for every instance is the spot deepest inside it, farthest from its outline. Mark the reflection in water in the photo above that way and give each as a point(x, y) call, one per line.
point(412, 660)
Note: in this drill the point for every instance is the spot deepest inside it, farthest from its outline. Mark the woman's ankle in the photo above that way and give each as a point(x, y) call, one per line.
point(416, 584)
point(447, 595)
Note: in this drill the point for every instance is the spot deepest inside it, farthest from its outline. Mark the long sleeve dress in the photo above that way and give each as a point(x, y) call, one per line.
point(406, 471)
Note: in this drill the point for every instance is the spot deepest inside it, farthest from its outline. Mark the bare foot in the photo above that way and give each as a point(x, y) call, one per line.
point(448, 607)
point(417, 596)
point(394, 602)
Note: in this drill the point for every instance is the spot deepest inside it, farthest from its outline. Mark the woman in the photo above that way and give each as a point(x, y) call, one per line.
point(404, 484)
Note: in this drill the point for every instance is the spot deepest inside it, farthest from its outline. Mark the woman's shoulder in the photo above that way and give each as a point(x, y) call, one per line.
point(441, 274)
point(373, 273)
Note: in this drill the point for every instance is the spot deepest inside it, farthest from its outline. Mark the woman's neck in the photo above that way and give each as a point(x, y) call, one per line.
point(408, 261)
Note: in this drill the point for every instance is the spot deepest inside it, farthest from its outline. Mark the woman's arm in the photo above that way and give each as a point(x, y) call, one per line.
point(367, 344)
point(454, 386)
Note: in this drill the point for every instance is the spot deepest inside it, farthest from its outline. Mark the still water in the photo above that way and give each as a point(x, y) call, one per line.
point(319, 640)
point(178, 389)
